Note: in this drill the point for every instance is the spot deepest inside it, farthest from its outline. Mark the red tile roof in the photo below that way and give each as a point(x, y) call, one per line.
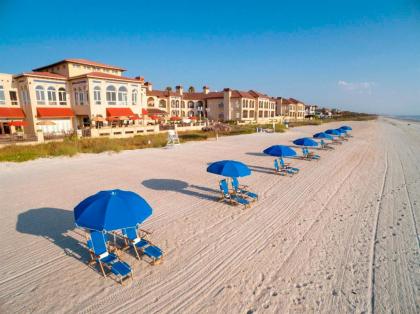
point(44, 112)
point(162, 93)
point(213, 95)
point(194, 96)
point(11, 113)
point(43, 74)
point(284, 101)
point(258, 94)
point(84, 62)
point(108, 76)
point(295, 101)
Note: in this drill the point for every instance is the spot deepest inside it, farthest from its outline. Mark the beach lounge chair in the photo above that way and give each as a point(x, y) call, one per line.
point(280, 170)
point(99, 253)
point(310, 155)
point(242, 191)
point(287, 167)
point(142, 246)
point(325, 145)
point(230, 197)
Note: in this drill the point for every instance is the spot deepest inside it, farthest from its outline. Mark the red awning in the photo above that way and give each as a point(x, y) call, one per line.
point(135, 117)
point(119, 112)
point(54, 112)
point(143, 111)
point(175, 118)
point(12, 113)
point(18, 123)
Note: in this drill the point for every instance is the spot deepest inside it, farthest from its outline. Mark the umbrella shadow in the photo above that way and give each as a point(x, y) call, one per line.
point(262, 169)
point(257, 154)
point(54, 225)
point(181, 187)
point(309, 147)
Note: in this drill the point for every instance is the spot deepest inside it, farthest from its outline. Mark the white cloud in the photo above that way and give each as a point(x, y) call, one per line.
point(358, 87)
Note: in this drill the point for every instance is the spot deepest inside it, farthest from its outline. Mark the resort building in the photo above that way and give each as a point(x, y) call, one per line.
point(12, 117)
point(298, 111)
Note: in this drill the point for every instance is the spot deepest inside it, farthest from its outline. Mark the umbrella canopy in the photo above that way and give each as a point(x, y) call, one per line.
point(175, 118)
point(279, 151)
point(346, 128)
point(321, 135)
point(332, 132)
point(46, 122)
point(112, 210)
point(341, 131)
point(229, 168)
point(305, 141)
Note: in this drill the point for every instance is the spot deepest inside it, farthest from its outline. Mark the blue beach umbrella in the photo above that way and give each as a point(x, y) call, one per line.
point(229, 168)
point(322, 135)
point(112, 210)
point(333, 132)
point(279, 151)
point(305, 141)
point(346, 128)
point(341, 131)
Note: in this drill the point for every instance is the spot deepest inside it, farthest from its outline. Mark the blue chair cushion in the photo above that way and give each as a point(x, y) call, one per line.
point(109, 259)
point(240, 200)
point(153, 252)
point(142, 243)
point(250, 194)
point(120, 269)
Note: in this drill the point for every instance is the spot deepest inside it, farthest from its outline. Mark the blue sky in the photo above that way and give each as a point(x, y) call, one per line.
point(357, 55)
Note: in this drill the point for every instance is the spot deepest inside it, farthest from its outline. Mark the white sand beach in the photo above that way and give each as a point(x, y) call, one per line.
point(341, 236)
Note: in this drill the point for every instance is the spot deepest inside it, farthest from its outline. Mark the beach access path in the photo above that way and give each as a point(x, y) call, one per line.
point(341, 236)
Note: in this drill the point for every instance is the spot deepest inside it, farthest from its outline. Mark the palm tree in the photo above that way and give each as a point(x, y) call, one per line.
point(191, 89)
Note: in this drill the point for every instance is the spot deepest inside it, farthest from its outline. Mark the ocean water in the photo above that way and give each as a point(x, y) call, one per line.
point(408, 118)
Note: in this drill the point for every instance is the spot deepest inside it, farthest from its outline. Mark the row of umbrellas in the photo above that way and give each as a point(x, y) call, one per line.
point(117, 209)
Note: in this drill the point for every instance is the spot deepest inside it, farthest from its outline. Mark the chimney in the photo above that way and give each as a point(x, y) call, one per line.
point(179, 89)
point(206, 89)
point(149, 86)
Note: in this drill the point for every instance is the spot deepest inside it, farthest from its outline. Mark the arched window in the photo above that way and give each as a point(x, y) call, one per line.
point(177, 104)
point(52, 97)
point(134, 97)
point(191, 104)
point(111, 96)
point(62, 97)
point(40, 95)
point(182, 104)
point(191, 113)
point(162, 103)
point(172, 103)
point(2, 98)
point(97, 95)
point(200, 105)
point(150, 102)
point(122, 95)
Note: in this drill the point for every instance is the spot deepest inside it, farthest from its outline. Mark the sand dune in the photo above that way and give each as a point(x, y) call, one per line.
point(341, 236)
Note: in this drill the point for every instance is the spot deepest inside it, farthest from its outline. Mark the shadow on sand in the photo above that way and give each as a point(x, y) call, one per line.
point(53, 224)
point(182, 187)
point(257, 154)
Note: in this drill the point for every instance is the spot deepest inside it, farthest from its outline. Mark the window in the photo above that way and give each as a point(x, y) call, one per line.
point(134, 97)
point(52, 97)
point(260, 114)
point(40, 95)
point(191, 104)
point(81, 97)
point(97, 95)
point(221, 105)
point(172, 103)
point(111, 96)
point(2, 99)
point(265, 114)
point(177, 104)
point(190, 113)
point(122, 95)
point(251, 113)
point(76, 96)
point(13, 98)
point(62, 97)
point(200, 105)
point(150, 102)
point(245, 114)
point(182, 104)
point(162, 103)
